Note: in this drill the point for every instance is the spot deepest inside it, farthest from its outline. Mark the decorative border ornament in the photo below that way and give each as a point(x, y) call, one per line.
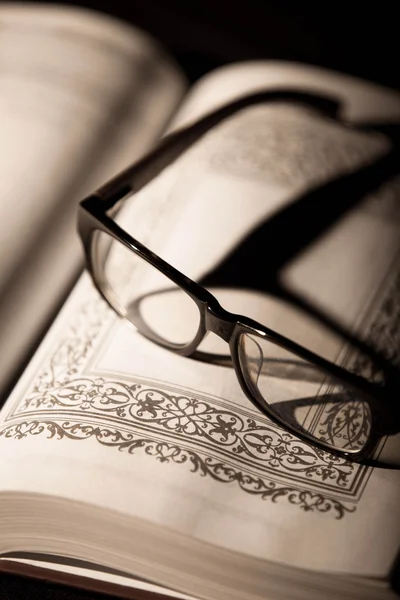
point(167, 452)
point(186, 428)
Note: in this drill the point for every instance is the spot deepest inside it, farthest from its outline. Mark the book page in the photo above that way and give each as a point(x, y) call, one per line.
point(81, 96)
point(105, 416)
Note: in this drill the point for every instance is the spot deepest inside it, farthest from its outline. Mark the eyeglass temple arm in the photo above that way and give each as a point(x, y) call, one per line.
point(174, 144)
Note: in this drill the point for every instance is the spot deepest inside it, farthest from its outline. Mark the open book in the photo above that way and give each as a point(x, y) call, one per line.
point(127, 468)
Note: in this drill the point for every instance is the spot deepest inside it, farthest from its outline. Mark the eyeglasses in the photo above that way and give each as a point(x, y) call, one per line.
point(345, 409)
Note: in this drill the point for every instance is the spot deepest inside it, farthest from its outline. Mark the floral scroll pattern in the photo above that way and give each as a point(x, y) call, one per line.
point(258, 445)
point(346, 423)
point(167, 452)
point(174, 426)
point(350, 419)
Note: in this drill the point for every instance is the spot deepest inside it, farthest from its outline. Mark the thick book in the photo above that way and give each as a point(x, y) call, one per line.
point(126, 468)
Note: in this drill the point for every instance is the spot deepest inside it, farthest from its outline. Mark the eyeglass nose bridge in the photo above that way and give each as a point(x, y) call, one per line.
point(221, 324)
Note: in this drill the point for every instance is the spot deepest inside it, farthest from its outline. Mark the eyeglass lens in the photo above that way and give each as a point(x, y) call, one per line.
point(302, 395)
point(142, 294)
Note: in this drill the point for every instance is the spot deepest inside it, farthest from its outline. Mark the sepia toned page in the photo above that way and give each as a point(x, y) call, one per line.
point(81, 96)
point(104, 416)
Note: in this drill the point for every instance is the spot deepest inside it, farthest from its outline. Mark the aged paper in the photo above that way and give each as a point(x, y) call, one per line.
point(80, 98)
point(105, 417)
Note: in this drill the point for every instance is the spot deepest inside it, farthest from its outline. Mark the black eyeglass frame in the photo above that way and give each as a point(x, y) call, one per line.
point(95, 214)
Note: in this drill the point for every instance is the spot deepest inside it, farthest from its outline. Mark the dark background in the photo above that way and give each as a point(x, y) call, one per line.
point(353, 37)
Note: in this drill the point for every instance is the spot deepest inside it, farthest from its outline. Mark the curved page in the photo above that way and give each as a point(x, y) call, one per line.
point(104, 416)
point(81, 95)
